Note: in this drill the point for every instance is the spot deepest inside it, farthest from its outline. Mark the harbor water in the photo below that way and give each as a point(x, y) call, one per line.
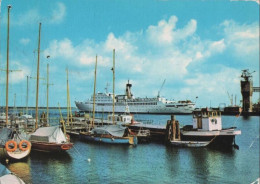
point(150, 162)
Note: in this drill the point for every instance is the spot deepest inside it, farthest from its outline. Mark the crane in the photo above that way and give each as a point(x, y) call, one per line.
point(230, 98)
point(158, 96)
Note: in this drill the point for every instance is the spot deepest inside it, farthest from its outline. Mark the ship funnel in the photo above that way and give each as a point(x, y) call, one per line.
point(128, 91)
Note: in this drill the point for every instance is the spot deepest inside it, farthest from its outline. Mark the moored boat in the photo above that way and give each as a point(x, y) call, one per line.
point(13, 146)
point(206, 131)
point(50, 139)
point(112, 134)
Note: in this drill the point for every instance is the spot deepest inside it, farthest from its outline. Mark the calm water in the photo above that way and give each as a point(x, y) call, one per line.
point(149, 163)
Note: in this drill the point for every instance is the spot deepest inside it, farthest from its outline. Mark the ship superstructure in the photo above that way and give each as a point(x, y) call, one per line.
point(128, 103)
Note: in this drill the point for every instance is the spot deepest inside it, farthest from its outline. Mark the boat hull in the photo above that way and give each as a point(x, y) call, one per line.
point(215, 140)
point(51, 147)
point(16, 155)
point(108, 139)
point(190, 144)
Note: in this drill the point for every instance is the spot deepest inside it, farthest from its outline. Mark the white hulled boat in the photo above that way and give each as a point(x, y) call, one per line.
point(158, 105)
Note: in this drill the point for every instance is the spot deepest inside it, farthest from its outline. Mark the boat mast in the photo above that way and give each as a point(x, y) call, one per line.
point(37, 85)
point(27, 93)
point(47, 85)
point(69, 113)
point(7, 63)
point(113, 116)
point(67, 72)
point(94, 95)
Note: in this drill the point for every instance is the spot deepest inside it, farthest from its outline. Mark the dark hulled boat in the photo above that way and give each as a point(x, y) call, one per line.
point(50, 139)
point(206, 130)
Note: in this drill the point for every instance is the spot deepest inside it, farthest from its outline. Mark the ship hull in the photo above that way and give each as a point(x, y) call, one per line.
point(146, 109)
point(51, 147)
point(223, 138)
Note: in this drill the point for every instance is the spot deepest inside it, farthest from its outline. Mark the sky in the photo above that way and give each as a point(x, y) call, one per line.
point(199, 48)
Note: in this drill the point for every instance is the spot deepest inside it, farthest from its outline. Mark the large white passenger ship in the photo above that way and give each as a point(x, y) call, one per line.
point(127, 102)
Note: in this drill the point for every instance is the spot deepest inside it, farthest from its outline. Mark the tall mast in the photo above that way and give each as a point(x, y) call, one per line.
point(94, 95)
point(7, 63)
point(27, 93)
point(47, 85)
point(113, 116)
point(67, 71)
point(38, 71)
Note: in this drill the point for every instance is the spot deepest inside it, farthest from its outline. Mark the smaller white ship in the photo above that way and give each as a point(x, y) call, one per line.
point(157, 105)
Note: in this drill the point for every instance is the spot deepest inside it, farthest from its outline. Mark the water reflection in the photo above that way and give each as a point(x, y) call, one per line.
point(21, 169)
point(50, 167)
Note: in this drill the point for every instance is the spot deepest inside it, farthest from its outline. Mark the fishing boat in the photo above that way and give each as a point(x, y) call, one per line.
point(50, 139)
point(6, 176)
point(206, 131)
point(13, 146)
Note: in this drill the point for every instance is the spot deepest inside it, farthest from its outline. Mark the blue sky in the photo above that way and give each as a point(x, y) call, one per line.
point(199, 47)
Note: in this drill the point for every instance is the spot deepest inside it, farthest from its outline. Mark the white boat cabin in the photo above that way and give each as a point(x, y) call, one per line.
point(121, 118)
point(207, 120)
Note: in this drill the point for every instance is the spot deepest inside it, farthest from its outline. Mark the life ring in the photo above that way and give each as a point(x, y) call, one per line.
point(65, 147)
point(7, 144)
point(28, 145)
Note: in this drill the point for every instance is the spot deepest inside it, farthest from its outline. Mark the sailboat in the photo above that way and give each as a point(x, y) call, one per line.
point(12, 144)
point(111, 134)
point(47, 139)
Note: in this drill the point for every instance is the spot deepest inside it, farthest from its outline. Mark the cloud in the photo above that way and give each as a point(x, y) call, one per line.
point(165, 32)
point(24, 41)
point(213, 86)
point(242, 39)
point(162, 51)
point(18, 72)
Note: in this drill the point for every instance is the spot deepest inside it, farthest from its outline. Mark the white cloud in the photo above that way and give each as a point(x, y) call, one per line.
point(18, 72)
point(161, 51)
point(214, 86)
point(242, 39)
point(165, 33)
point(137, 56)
